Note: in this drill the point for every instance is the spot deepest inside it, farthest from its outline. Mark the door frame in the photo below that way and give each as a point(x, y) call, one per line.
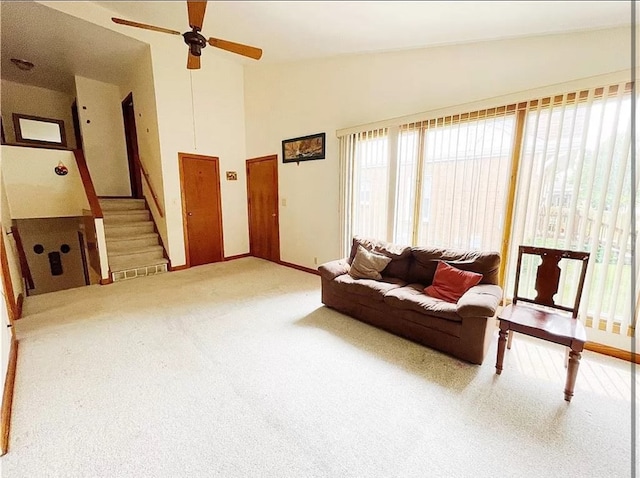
point(271, 157)
point(133, 156)
point(185, 232)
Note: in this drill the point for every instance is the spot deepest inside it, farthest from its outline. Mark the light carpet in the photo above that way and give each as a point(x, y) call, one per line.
point(237, 370)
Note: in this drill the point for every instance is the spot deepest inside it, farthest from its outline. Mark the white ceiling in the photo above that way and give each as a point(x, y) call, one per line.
point(61, 45)
point(290, 31)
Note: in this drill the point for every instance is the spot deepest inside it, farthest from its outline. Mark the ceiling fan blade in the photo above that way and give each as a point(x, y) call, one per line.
point(196, 10)
point(193, 62)
point(239, 48)
point(145, 26)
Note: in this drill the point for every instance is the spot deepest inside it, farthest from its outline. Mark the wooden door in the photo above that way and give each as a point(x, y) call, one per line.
point(131, 136)
point(201, 208)
point(262, 197)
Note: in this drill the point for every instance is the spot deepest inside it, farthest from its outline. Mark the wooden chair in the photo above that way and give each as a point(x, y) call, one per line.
point(525, 315)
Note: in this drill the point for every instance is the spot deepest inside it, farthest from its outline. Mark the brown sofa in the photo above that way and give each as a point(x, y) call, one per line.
point(397, 303)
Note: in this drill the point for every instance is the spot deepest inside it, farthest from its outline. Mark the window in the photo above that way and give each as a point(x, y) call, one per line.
point(466, 168)
point(370, 182)
point(442, 183)
point(447, 182)
point(574, 193)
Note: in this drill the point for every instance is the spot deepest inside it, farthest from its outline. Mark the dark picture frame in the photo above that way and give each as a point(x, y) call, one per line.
point(304, 148)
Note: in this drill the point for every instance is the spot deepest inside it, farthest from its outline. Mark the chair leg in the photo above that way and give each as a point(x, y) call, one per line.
point(510, 339)
point(502, 342)
point(572, 373)
point(566, 357)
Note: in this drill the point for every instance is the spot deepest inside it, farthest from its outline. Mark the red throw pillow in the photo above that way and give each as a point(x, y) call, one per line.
point(450, 283)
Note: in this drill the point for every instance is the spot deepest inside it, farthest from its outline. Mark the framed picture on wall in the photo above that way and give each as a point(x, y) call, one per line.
point(304, 148)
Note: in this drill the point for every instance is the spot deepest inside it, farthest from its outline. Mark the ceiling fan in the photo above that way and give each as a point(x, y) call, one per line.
point(195, 39)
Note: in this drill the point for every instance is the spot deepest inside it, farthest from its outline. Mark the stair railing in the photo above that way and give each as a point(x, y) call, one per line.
point(147, 178)
point(93, 224)
point(22, 258)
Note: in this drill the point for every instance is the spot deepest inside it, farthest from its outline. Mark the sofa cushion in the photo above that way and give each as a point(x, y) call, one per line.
point(400, 255)
point(480, 301)
point(425, 261)
point(368, 265)
point(374, 289)
point(412, 297)
point(450, 283)
point(331, 270)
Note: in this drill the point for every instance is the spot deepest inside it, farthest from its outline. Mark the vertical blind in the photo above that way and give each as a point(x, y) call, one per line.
point(441, 182)
point(573, 193)
point(464, 182)
point(445, 182)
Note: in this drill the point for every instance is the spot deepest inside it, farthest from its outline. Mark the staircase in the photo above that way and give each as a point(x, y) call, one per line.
point(133, 246)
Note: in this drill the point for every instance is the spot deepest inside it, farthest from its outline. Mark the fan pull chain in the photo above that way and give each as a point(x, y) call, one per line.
point(193, 113)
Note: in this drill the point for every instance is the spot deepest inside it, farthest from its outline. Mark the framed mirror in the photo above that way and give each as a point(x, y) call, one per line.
point(39, 131)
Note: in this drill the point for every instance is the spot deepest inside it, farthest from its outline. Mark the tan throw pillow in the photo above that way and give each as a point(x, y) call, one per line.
point(368, 265)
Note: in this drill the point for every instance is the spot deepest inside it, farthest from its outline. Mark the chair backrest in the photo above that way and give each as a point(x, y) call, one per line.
point(548, 276)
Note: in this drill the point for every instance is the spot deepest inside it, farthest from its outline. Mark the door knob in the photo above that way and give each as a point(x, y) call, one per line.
point(273, 215)
point(189, 214)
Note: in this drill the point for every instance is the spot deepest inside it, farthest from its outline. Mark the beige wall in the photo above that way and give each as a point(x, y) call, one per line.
point(290, 100)
point(218, 115)
point(140, 83)
point(32, 187)
point(35, 101)
point(102, 126)
point(287, 100)
point(51, 234)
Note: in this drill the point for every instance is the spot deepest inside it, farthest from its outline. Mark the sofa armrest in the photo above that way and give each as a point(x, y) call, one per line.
point(480, 301)
point(333, 269)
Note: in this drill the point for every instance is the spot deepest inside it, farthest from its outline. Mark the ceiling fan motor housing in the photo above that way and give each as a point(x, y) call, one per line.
point(195, 41)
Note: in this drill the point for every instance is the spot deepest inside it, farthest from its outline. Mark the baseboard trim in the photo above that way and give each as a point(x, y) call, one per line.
point(19, 304)
point(300, 268)
point(239, 256)
point(612, 352)
point(106, 281)
point(177, 268)
point(7, 396)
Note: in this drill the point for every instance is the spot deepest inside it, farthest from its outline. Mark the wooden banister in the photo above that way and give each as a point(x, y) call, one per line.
point(12, 306)
point(94, 204)
point(147, 178)
point(22, 257)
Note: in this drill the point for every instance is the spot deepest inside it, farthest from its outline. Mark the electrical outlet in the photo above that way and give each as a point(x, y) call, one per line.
point(315, 260)
point(284, 202)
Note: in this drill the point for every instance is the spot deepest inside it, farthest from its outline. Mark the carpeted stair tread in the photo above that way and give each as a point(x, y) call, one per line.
point(122, 203)
point(150, 250)
point(130, 243)
point(123, 216)
point(133, 246)
point(129, 229)
point(143, 235)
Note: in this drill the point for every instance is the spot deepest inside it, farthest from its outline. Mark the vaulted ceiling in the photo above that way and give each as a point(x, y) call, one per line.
point(62, 45)
point(297, 30)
